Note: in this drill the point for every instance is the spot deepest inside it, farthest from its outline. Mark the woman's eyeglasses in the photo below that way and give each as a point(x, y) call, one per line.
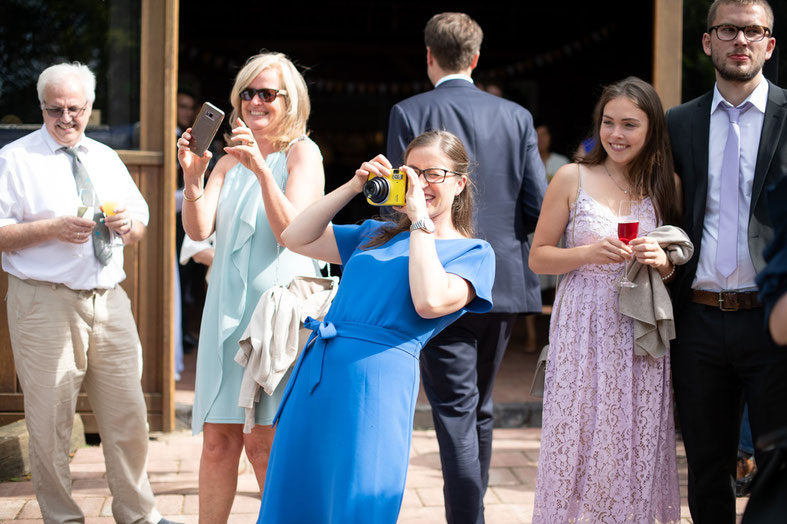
point(57, 112)
point(434, 175)
point(266, 94)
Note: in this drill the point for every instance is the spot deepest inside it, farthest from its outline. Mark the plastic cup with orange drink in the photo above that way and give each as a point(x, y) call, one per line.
point(109, 208)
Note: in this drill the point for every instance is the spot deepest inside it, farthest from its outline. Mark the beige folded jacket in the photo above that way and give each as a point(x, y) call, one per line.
point(649, 303)
point(267, 349)
point(275, 335)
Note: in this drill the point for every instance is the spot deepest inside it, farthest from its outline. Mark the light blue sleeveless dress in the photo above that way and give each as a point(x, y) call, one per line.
point(244, 266)
point(345, 423)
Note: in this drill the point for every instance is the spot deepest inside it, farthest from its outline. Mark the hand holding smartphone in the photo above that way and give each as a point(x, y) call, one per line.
point(205, 127)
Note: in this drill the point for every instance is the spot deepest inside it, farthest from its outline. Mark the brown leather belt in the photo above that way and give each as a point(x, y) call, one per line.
point(726, 300)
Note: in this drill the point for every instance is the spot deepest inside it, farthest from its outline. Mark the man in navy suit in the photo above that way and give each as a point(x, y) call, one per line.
point(723, 353)
point(459, 365)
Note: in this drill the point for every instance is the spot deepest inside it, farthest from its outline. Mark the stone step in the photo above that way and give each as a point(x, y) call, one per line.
point(14, 451)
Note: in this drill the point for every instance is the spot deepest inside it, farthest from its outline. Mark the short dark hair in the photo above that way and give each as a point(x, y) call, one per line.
point(188, 91)
point(714, 8)
point(454, 39)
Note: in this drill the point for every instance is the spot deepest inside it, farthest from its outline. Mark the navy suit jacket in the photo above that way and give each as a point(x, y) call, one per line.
point(508, 174)
point(689, 128)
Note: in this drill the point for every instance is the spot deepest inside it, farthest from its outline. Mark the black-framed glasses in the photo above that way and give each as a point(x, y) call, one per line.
point(57, 112)
point(752, 33)
point(266, 94)
point(434, 175)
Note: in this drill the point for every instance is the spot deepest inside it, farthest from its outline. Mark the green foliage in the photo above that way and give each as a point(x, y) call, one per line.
point(104, 35)
point(698, 73)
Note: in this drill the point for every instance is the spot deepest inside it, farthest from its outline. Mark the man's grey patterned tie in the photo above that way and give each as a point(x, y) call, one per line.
point(101, 236)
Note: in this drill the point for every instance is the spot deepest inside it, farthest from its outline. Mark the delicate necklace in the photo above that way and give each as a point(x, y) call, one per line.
point(625, 191)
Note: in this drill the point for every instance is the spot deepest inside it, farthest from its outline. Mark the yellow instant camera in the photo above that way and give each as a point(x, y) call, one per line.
point(386, 190)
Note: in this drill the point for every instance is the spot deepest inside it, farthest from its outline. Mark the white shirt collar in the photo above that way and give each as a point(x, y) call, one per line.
point(54, 145)
point(758, 97)
point(454, 76)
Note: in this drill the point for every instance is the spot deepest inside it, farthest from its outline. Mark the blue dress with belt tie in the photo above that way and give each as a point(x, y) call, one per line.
point(342, 442)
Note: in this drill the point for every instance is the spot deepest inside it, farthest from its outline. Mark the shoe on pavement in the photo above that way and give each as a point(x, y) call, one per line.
point(746, 470)
point(165, 521)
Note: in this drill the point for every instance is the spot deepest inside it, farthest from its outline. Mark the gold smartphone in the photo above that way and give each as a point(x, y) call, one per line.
point(205, 127)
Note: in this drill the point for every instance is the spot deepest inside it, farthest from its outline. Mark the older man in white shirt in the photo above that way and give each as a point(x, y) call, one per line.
point(69, 320)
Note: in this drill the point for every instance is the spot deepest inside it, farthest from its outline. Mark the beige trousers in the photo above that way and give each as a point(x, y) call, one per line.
point(62, 339)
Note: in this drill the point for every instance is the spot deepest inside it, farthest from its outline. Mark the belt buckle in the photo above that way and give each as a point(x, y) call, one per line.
point(732, 297)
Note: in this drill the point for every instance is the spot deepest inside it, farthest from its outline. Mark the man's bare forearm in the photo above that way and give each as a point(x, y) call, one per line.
point(14, 237)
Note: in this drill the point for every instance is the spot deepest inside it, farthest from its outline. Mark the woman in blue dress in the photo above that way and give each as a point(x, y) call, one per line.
point(271, 172)
point(345, 421)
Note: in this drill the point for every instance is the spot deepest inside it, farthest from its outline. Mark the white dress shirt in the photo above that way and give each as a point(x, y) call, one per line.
point(554, 162)
point(37, 183)
point(708, 277)
point(454, 76)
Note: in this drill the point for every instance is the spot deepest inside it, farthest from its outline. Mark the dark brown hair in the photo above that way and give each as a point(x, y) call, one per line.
point(454, 39)
point(651, 173)
point(462, 206)
point(714, 8)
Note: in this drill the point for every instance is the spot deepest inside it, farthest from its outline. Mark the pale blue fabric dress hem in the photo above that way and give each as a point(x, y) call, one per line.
point(244, 267)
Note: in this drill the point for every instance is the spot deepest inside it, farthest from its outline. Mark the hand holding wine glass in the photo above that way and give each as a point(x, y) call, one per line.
point(85, 210)
point(628, 228)
point(85, 207)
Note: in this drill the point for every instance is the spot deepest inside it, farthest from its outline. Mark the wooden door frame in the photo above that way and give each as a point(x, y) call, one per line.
point(158, 121)
point(668, 50)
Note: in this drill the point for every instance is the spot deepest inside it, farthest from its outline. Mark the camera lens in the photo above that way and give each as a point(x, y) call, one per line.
point(210, 115)
point(377, 190)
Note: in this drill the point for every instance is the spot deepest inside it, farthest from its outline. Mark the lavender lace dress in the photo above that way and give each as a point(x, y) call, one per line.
point(608, 437)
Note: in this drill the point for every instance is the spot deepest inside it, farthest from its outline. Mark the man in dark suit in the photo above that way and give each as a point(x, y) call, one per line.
point(723, 352)
point(459, 365)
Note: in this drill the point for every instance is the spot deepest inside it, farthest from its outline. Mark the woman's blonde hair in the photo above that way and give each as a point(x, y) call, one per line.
point(296, 102)
point(462, 206)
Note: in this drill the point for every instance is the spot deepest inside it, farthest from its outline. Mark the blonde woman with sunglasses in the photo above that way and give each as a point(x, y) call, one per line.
point(272, 172)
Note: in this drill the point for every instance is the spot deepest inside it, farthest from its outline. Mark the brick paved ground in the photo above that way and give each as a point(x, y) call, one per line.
point(174, 463)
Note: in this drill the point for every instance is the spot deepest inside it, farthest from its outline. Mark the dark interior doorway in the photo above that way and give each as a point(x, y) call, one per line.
point(360, 58)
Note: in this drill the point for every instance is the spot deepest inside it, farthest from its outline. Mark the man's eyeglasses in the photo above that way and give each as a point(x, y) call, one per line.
point(266, 94)
point(752, 33)
point(57, 112)
point(434, 175)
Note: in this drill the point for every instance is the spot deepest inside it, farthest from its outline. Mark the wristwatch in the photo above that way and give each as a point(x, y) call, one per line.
point(424, 224)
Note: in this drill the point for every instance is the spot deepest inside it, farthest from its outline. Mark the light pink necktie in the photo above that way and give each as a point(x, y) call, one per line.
point(727, 234)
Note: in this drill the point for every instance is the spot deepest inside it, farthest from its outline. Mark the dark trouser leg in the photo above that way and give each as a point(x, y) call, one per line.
point(763, 370)
point(715, 356)
point(457, 369)
point(491, 347)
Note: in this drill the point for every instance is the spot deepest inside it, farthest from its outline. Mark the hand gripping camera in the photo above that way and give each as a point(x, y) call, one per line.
point(386, 190)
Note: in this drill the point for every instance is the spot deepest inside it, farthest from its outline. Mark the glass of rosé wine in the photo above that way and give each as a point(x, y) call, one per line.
point(628, 228)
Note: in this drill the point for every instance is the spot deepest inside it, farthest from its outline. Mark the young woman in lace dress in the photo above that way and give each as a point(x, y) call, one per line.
point(608, 439)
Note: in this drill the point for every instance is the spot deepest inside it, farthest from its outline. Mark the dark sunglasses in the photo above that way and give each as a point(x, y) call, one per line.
point(266, 94)
point(57, 112)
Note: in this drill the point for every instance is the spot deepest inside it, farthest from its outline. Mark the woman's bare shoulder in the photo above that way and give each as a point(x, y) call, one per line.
point(566, 179)
point(224, 164)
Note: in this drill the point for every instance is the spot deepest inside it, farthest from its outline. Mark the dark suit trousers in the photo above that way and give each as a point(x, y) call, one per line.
point(719, 359)
point(458, 369)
